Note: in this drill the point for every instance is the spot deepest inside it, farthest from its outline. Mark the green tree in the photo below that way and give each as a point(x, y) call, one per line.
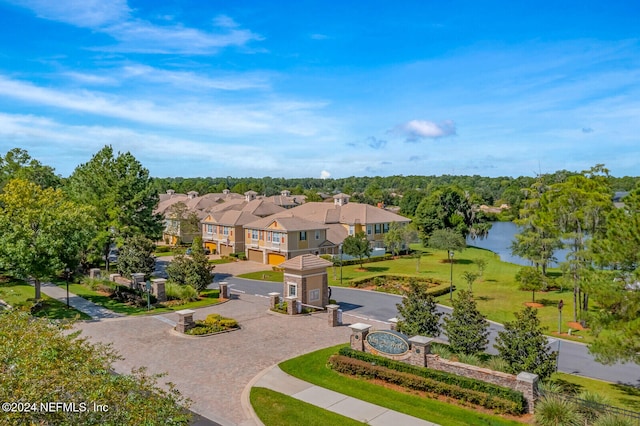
point(185, 223)
point(482, 265)
point(193, 270)
point(523, 345)
point(410, 201)
point(470, 278)
point(136, 256)
point(76, 371)
point(530, 279)
point(447, 239)
point(18, 164)
point(123, 196)
point(394, 239)
point(41, 231)
point(418, 314)
point(357, 245)
point(466, 328)
point(578, 207)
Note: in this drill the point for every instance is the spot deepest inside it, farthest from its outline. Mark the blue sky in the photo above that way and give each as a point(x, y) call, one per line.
point(324, 89)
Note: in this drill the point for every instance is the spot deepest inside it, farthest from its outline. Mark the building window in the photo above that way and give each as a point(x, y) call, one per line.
point(268, 237)
point(254, 234)
point(352, 229)
point(225, 231)
point(209, 229)
point(317, 235)
point(314, 294)
point(369, 229)
point(276, 238)
point(303, 235)
point(378, 228)
point(293, 289)
point(385, 227)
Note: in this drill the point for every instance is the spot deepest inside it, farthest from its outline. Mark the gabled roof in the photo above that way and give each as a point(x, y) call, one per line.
point(348, 214)
point(236, 218)
point(286, 223)
point(305, 262)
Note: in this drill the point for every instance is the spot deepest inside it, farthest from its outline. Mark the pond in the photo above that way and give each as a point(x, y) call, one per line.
point(499, 240)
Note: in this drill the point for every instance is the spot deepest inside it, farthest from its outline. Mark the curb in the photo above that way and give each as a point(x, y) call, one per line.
point(245, 402)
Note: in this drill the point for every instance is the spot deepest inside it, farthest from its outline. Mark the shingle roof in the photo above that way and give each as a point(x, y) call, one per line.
point(305, 262)
point(286, 223)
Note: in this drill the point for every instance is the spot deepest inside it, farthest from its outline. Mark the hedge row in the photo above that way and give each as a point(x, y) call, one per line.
point(346, 365)
point(439, 376)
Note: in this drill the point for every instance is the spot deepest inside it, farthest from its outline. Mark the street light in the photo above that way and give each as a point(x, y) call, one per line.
point(451, 275)
point(340, 250)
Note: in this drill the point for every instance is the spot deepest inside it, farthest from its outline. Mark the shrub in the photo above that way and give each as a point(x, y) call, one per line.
point(163, 249)
point(213, 323)
point(555, 410)
point(614, 420)
point(592, 405)
point(498, 364)
point(185, 293)
point(280, 307)
point(366, 369)
point(440, 376)
point(471, 359)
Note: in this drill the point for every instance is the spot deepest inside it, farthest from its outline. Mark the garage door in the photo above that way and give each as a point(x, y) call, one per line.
point(255, 255)
point(211, 246)
point(276, 259)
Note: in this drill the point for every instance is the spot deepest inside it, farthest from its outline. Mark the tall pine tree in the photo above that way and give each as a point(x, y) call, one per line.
point(466, 328)
point(418, 313)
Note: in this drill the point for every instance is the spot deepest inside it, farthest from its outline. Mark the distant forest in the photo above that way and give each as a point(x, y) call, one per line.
point(389, 190)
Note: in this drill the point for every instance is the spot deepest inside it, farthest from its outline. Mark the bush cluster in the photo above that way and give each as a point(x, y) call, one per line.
point(213, 323)
point(502, 399)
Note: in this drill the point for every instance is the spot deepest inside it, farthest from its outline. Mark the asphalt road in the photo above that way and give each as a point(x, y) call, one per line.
point(371, 306)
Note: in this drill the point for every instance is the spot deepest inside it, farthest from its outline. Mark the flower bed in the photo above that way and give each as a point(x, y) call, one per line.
point(213, 324)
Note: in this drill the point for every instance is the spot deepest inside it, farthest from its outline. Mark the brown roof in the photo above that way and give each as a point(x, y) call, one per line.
point(305, 262)
point(286, 223)
point(348, 214)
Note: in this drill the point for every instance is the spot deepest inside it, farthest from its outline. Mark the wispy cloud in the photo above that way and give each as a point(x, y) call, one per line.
point(376, 143)
point(318, 36)
point(137, 35)
point(325, 174)
point(587, 130)
point(416, 130)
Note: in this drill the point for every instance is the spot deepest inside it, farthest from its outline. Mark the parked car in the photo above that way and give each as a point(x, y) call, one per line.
point(206, 250)
point(113, 255)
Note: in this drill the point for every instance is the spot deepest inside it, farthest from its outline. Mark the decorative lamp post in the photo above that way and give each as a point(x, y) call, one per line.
point(66, 277)
point(560, 305)
point(451, 275)
point(340, 250)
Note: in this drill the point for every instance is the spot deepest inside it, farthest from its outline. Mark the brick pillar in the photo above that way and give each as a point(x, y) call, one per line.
point(137, 281)
point(94, 273)
point(158, 289)
point(527, 383)
point(224, 290)
point(393, 323)
point(292, 305)
point(274, 299)
point(185, 320)
point(420, 348)
point(359, 332)
point(334, 315)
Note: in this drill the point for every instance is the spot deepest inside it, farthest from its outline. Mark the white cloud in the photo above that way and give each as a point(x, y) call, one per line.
point(318, 36)
point(90, 78)
point(415, 130)
point(325, 174)
point(114, 18)
point(84, 13)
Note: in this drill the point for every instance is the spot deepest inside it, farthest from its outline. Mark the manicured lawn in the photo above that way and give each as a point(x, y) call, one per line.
point(19, 294)
point(277, 409)
point(312, 368)
point(623, 396)
point(264, 276)
point(207, 298)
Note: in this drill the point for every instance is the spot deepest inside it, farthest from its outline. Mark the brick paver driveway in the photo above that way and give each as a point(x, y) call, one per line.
point(214, 370)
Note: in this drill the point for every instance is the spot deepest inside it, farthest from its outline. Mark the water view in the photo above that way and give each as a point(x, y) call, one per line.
point(501, 235)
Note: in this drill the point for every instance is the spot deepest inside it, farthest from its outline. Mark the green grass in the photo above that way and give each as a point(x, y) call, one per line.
point(20, 295)
point(276, 409)
point(623, 396)
point(208, 297)
point(312, 368)
point(221, 261)
point(264, 276)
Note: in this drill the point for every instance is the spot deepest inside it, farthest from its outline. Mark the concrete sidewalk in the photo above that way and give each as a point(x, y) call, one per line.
point(275, 379)
point(77, 302)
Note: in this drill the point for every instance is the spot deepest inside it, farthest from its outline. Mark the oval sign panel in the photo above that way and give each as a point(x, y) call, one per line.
point(388, 342)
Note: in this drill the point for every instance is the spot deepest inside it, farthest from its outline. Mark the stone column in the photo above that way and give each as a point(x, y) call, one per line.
point(359, 332)
point(185, 320)
point(157, 289)
point(333, 311)
point(393, 323)
point(94, 273)
point(114, 277)
point(224, 290)
point(420, 348)
point(527, 383)
point(137, 280)
point(292, 305)
point(274, 299)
